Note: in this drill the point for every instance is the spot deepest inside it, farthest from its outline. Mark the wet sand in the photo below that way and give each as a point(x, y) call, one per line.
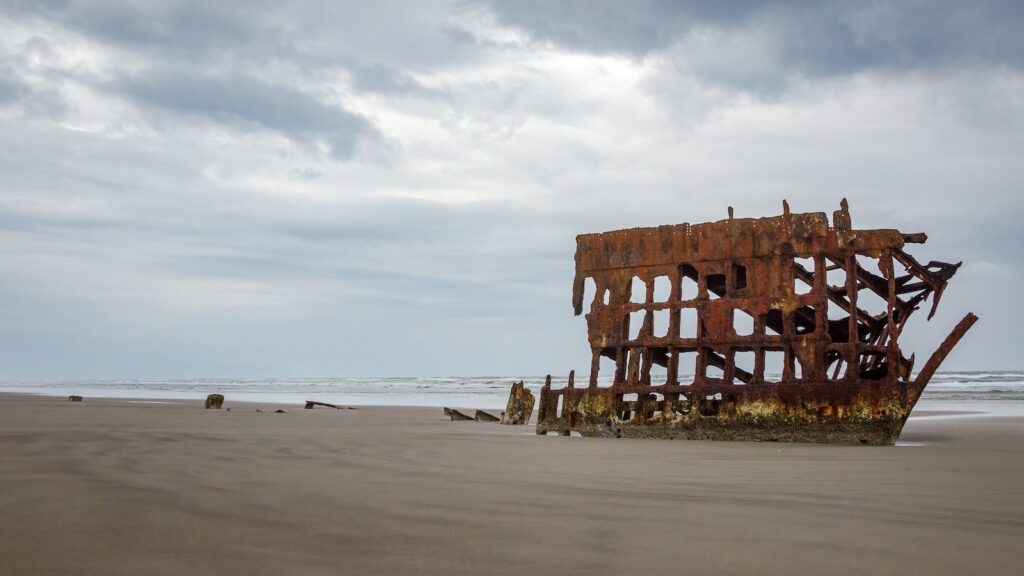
point(117, 487)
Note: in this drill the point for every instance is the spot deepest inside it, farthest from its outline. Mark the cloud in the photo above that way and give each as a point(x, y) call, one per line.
point(346, 189)
point(10, 88)
point(246, 102)
point(798, 38)
point(383, 79)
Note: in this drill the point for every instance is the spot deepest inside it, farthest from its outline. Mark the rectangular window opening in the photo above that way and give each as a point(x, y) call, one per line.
point(837, 277)
point(687, 282)
point(714, 372)
point(837, 370)
point(659, 373)
point(715, 286)
point(606, 369)
point(662, 288)
point(743, 366)
point(636, 322)
point(773, 323)
point(803, 275)
point(627, 409)
point(589, 291)
point(687, 366)
point(657, 402)
point(739, 276)
point(661, 321)
point(774, 361)
point(688, 323)
point(742, 322)
point(804, 320)
point(638, 291)
point(838, 323)
point(668, 357)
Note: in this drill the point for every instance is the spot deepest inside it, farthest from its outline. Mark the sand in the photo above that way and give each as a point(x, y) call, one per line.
point(116, 487)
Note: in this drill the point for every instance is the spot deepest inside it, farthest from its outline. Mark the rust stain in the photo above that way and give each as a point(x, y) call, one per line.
point(782, 328)
point(520, 405)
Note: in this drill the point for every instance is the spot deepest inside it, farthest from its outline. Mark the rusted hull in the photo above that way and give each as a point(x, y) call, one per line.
point(783, 328)
point(872, 413)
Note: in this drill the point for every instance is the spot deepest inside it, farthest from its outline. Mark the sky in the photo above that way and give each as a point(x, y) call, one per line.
point(328, 189)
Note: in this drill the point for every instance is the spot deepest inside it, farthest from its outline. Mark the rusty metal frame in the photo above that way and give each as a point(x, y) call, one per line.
point(832, 387)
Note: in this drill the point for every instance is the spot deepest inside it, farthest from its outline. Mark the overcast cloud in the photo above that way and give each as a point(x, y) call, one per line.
point(222, 189)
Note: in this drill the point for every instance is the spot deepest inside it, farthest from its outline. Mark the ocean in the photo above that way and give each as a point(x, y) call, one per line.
point(945, 389)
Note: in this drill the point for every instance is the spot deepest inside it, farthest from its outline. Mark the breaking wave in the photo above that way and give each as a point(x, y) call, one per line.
point(486, 391)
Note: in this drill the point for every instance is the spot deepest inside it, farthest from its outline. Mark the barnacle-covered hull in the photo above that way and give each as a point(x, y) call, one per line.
point(811, 301)
point(872, 414)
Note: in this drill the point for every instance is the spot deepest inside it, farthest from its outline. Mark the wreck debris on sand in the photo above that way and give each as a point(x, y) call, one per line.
point(520, 404)
point(481, 416)
point(455, 415)
point(782, 328)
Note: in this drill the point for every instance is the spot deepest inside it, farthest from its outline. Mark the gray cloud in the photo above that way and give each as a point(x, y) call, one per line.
point(10, 88)
point(809, 38)
point(387, 80)
point(184, 27)
point(247, 102)
point(319, 33)
point(146, 231)
point(238, 64)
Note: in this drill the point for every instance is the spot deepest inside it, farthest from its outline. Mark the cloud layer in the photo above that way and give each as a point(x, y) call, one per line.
point(217, 189)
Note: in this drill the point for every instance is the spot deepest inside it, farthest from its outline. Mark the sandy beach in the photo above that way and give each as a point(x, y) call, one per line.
point(122, 487)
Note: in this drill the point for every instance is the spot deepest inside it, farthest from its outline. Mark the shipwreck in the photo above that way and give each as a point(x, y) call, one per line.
point(783, 328)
